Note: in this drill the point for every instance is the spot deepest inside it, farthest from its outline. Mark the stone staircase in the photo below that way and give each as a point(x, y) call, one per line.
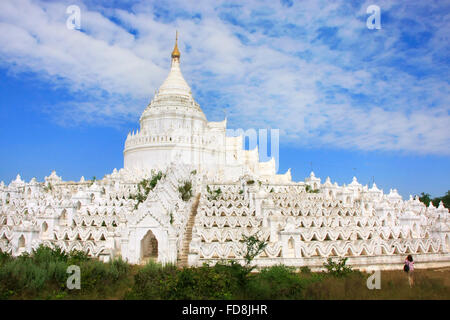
point(183, 258)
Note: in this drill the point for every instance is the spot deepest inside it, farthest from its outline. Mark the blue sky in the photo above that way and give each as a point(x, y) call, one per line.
point(347, 100)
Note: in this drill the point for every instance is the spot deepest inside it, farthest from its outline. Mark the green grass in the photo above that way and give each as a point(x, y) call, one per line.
point(42, 275)
point(429, 284)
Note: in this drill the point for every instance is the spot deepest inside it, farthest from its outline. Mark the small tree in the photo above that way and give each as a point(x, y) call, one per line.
point(253, 247)
point(445, 200)
point(425, 198)
point(337, 269)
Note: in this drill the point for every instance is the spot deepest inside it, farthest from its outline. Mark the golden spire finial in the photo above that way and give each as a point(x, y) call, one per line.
point(175, 52)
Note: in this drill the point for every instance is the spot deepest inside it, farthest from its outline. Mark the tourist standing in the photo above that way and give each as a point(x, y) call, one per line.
point(409, 269)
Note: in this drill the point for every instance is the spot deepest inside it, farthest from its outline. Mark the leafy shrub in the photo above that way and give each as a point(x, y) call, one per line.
point(93, 273)
point(167, 282)
point(185, 190)
point(277, 282)
point(144, 188)
point(4, 257)
point(310, 190)
point(305, 269)
point(253, 247)
point(77, 256)
point(337, 269)
point(206, 282)
point(98, 276)
point(24, 275)
point(154, 282)
point(213, 194)
point(43, 274)
point(119, 268)
point(44, 254)
point(239, 272)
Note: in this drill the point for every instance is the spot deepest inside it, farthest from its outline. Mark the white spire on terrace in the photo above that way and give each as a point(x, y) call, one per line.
point(175, 83)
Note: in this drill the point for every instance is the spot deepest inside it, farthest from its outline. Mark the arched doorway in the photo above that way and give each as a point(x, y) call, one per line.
point(45, 229)
point(149, 247)
point(21, 245)
point(63, 218)
point(290, 252)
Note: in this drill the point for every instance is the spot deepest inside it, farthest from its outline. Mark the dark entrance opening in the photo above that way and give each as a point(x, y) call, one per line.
point(149, 247)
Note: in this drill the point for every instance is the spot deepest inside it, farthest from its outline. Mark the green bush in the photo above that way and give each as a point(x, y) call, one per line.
point(225, 280)
point(93, 274)
point(97, 276)
point(253, 247)
point(167, 282)
point(43, 274)
point(310, 190)
point(144, 188)
point(154, 282)
point(239, 272)
point(337, 269)
point(4, 257)
point(185, 190)
point(28, 276)
point(305, 269)
point(217, 282)
point(277, 282)
point(77, 256)
point(44, 254)
point(213, 194)
point(118, 268)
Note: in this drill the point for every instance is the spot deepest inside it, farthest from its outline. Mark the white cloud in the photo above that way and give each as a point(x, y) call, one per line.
point(347, 91)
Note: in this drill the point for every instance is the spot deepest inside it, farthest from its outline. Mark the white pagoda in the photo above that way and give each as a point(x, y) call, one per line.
point(231, 194)
point(174, 127)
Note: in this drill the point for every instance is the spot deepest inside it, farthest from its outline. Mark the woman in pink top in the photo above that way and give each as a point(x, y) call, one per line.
point(410, 269)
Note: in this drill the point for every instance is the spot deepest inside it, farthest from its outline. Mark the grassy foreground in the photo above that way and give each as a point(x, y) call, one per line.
point(43, 275)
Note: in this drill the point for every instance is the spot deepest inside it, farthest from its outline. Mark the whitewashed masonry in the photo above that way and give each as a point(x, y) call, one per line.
point(302, 225)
